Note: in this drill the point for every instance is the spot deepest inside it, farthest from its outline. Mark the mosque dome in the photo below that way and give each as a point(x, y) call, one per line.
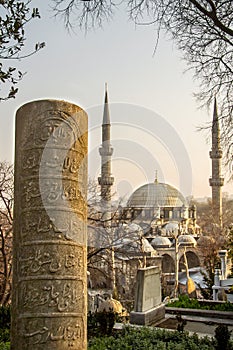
point(161, 242)
point(156, 194)
point(187, 240)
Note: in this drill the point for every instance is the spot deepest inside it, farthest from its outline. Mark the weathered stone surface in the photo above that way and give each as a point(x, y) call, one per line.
point(148, 309)
point(49, 246)
point(148, 318)
point(148, 289)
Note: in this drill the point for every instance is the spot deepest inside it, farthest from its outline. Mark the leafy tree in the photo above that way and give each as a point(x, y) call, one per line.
point(6, 223)
point(201, 29)
point(15, 15)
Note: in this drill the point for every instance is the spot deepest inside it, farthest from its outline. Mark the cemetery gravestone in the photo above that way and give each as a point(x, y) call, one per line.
point(49, 241)
point(148, 309)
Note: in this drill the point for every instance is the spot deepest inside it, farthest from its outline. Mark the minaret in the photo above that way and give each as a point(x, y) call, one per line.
point(106, 151)
point(216, 181)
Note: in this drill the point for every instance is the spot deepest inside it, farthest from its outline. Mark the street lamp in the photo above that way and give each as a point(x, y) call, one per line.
point(176, 234)
point(176, 267)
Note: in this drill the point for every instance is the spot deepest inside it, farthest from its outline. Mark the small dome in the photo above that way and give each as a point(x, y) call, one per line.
point(187, 240)
point(147, 247)
point(161, 242)
point(156, 194)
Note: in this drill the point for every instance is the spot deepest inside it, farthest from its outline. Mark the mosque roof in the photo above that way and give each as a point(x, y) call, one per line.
point(187, 240)
point(156, 194)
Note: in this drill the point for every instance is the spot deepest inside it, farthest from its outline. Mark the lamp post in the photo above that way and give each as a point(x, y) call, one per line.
point(176, 234)
point(176, 264)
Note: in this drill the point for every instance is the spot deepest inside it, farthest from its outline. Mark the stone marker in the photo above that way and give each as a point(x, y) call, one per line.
point(148, 309)
point(50, 212)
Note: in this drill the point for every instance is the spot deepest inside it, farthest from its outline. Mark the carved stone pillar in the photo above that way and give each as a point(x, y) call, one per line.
point(50, 212)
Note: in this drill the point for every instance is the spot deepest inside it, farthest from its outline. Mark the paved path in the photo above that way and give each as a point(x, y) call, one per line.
point(203, 326)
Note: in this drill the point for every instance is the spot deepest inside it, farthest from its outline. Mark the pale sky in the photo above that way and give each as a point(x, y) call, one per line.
point(154, 114)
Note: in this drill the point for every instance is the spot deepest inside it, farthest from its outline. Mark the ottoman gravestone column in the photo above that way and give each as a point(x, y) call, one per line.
point(49, 240)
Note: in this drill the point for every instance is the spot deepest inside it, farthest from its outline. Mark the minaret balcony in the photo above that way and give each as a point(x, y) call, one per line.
point(106, 150)
point(216, 154)
point(106, 180)
point(216, 182)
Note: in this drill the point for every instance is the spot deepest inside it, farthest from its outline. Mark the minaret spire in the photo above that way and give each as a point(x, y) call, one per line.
point(216, 181)
point(106, 180)
point(106, 116)
point(156, 176)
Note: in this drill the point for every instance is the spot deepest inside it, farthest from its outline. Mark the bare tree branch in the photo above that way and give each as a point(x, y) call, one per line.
point(201, 29)
point(15, 15)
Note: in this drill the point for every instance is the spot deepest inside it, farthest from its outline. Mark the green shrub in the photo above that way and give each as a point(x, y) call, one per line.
point(5, 317)
point(4, 335)
point(222, 336)
point(150, 339)
point(185, 302)
point(5, 346)
point(227, 306)
point(101, 323)
point(5, 323)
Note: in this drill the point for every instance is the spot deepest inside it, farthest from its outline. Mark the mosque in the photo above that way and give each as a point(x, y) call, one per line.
point(156, 218)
